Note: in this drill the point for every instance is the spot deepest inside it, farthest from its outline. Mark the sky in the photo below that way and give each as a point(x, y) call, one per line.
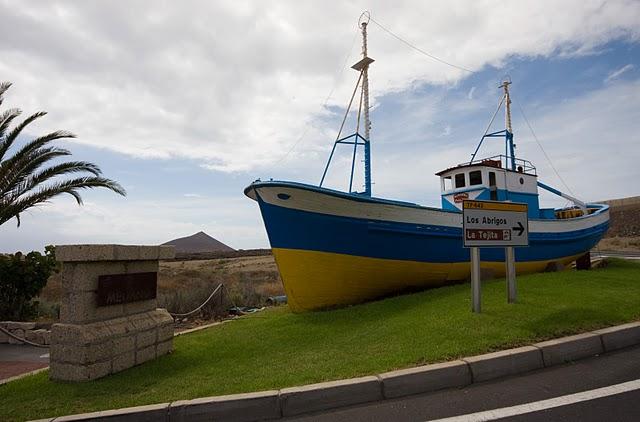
point(186, 103)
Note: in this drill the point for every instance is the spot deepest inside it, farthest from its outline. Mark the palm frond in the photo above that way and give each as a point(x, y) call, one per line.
point(6, 118)
point(6, 143)
point(34, 180)
point(42, 141)
point(19, 167)
point(42, 195)
point(25, 182)
point(4, 86)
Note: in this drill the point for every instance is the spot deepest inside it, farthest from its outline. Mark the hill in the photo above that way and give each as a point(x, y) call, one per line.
point(624, 227)
point(625, 217)
point(198, 243)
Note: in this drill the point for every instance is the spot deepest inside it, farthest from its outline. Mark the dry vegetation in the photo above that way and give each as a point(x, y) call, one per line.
point(248, 281)
point(624, 229)
point(190, 256)
point(625, 220)
point(184, 285)
point(620, 244)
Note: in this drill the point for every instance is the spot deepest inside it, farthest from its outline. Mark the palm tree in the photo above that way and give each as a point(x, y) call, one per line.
point(27, 178)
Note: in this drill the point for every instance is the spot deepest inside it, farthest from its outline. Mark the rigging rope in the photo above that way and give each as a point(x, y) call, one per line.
point(541, 148)
point(346, 114)
point(399, 38)
point(473, 156)
point(324, 104)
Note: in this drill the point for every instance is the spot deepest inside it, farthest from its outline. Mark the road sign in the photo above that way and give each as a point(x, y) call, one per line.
point(494, 224)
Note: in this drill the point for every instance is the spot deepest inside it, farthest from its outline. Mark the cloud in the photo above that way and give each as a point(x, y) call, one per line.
point(614, 74)
point(587, 137)
point(470, 93)
point(234, 220)
point(232, 84)
point(590, 141)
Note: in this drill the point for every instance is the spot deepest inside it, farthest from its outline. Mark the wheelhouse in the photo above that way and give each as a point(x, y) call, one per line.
point(490, 179)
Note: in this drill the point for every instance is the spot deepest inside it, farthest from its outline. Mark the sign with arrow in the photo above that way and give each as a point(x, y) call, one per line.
point(494, 224)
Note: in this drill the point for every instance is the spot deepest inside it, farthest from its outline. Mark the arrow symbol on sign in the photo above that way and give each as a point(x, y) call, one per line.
point(519, 229)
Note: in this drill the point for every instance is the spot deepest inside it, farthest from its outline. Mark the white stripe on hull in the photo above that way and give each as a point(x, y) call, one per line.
point(322, 203)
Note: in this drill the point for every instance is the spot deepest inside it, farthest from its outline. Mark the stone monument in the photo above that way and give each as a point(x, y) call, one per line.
point(109, 319)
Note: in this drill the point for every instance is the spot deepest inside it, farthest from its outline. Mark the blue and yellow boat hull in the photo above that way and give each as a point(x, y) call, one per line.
point(334, 248)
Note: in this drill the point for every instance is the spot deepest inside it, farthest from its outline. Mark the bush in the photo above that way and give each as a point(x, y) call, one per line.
point(22, 277)
point(185, 300)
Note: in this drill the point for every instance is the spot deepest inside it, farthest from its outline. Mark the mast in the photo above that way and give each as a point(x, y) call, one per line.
point(358, 140)
point(367, 122)
point(365, 83)
point(507, 121)
point(507, 105)
point(363, 67)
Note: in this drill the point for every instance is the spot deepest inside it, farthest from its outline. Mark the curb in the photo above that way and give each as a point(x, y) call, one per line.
point(504, 363)
point(394, 384)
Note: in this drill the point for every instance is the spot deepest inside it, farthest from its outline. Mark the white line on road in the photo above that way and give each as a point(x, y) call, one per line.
point(521, 409)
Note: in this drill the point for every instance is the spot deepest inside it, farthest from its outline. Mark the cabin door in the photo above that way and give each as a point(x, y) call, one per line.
point(493, 189)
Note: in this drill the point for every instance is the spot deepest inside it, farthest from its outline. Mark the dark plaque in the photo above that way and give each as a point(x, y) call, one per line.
point(124, 288)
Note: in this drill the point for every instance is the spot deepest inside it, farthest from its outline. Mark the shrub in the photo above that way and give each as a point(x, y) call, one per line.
point(22, 277)
point(185, 300)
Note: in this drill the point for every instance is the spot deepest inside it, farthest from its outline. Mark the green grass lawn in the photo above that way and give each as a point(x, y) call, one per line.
point(276, 348)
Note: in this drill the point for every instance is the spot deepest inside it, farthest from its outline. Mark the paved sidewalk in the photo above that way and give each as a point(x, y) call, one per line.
point(18, 359)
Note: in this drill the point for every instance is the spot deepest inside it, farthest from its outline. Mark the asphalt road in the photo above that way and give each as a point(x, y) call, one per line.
point(18, 359)
point(583, 376)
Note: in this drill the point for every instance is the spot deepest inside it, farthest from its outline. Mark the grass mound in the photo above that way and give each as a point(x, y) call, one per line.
point(276, 348)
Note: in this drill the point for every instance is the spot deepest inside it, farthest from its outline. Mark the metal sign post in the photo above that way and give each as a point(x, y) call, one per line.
point(476, 287)
point(494, 224)
point(512, 292)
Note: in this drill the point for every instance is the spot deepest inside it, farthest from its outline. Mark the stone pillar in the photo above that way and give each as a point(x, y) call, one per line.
point(108, 316)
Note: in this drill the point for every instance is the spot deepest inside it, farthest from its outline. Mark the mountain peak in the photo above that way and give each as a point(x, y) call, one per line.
point(198, 242)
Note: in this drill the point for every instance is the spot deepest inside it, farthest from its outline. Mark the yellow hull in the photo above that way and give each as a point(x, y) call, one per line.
point(315, 280)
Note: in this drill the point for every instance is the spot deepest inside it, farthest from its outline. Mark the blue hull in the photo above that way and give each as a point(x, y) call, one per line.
point(291, 228)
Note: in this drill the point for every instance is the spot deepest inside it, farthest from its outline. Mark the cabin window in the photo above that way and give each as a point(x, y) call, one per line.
point(460, 180)
point(492, 179)
point(475, 178)
point(448, 184)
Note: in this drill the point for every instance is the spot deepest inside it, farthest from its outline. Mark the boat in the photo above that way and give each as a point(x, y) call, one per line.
point(336, 248)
